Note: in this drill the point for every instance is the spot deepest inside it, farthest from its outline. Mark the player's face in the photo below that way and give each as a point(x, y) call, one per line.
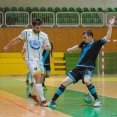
point(86, 38)
point(37, 28)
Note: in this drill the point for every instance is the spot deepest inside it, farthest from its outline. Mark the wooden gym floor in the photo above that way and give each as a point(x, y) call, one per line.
point(14, 101)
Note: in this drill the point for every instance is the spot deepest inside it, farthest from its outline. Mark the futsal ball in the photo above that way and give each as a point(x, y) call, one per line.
point(88, 98)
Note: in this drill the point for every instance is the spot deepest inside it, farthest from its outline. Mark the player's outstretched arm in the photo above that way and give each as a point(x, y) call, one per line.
point(11, 43)
point(111, 22)
point(74, 48)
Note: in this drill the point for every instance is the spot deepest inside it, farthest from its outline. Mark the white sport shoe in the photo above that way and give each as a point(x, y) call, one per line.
point(50, 104)
point(97, 103)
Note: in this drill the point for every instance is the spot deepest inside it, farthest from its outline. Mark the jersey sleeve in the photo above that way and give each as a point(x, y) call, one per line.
point(46, 40)
point(103, 40)
point(22, 36)
point(81, 44)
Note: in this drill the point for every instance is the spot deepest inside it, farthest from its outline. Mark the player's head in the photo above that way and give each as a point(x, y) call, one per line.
point(37, 25)
point(87, 36)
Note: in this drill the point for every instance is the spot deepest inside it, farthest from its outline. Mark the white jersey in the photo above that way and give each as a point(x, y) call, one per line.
point(34, 43)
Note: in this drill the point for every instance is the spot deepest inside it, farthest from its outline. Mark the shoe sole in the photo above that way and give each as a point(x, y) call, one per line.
point(98, 106)
point(53, 106)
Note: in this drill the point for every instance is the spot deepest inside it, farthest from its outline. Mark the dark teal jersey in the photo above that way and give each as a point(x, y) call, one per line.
point(90, 52)
point(46, 55)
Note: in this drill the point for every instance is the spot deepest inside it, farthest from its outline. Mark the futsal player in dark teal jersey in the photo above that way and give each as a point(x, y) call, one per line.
point(46, 61)
point(86, 64)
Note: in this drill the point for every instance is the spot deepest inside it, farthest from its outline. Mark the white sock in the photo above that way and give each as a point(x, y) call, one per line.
point(33, 91)
point(39, 89)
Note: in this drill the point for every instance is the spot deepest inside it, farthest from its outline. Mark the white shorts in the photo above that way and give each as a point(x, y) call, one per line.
point(35, 66)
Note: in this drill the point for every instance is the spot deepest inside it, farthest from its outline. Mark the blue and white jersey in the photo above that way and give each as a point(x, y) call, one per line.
point(34, 43)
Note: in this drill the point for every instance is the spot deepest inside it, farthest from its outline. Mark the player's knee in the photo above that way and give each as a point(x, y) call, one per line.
point(87, 80)
point(47, 75)
point(65, 83)
point(37, 78)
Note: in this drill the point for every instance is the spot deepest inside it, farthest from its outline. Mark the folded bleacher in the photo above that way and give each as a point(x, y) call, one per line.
point(64, 16)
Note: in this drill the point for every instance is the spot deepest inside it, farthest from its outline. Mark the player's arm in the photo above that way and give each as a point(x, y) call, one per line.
point(11, 43)
point(46, 45)
point(23, 53)
point(52, 56)
point(47, 48)
point(52, 52)
point(74, 48)
point(24, 50)
point(109, 32)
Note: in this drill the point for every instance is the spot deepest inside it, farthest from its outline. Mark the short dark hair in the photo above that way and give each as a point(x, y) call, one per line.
point(37, 21)
point(88, 32)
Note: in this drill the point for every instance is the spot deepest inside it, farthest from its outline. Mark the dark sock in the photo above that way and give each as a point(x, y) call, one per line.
point(59, 91)
point(93, 92)
point(43, 84)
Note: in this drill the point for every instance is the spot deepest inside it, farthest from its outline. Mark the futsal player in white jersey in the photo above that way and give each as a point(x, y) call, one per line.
point(36, 41)
point(41, 66)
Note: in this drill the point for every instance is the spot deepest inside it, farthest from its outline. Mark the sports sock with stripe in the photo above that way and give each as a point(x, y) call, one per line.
point(59, 91)
point(92, 90)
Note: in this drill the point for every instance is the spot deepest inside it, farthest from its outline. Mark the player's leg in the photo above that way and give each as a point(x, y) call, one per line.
point(32, 94)
point(32, 80)
point(46, 74)
point(87, 80)
point(41, 67)
point(47, 71)
point(67, 81)
point(72, 77)
point(27, 77)
point(39, 87)
point(36, 72)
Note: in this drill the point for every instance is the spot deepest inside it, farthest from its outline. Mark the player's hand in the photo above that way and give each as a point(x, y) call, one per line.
point(112, 20)
point(5, 49)
point(43, 47)
point(69, 50)
point(53, 61)
point(23, 57)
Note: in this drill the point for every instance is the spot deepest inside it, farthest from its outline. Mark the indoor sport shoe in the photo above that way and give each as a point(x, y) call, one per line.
point(43, 102)
point(27, 82)
point(34, 97)
point(50, 104)
point(97, 103)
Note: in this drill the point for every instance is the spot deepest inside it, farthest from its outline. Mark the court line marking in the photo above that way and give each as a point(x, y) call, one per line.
point(83, 91)
point(21, 106)
point(56, 112)
point(71, 89)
